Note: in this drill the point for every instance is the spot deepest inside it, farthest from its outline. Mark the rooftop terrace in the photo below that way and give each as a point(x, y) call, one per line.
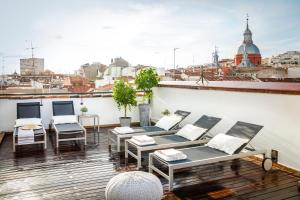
point(74, 173)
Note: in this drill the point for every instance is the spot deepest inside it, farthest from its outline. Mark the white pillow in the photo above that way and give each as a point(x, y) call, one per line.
point(226, 143)
point(167, 122)
point(191, 132)
point(65, 119)
point(28, 121)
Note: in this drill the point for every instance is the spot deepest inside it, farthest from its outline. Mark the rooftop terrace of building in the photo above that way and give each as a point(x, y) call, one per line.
point(83, 174)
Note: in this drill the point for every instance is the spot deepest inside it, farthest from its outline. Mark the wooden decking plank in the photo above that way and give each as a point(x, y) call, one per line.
point(91, 169)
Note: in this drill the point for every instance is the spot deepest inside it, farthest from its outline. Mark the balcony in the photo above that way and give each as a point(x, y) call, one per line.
point(76, 173)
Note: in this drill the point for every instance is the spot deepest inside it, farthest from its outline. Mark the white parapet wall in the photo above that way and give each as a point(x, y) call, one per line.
point(105, 107)
point(278, 113)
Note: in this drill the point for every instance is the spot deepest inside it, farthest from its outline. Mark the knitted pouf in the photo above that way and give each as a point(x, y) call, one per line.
point(134, 185)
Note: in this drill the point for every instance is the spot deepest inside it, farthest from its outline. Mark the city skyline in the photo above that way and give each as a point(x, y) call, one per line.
point(142, 32)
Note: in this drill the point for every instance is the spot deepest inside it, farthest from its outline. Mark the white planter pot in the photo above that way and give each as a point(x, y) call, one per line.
point(125, 121)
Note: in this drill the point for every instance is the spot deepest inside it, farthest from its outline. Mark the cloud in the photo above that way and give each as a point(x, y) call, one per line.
point(88, 31)
point(58, 37)
point(107, 27)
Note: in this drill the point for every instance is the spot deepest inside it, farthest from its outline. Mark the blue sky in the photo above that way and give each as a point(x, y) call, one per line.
point(68, 33)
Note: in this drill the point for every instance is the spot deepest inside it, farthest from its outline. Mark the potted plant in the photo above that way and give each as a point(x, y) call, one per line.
point(166, 112)
point(145, 81)
point(125, 96)
point(83, 110)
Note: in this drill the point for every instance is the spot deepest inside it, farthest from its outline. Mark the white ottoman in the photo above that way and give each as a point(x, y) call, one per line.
point(134, 185)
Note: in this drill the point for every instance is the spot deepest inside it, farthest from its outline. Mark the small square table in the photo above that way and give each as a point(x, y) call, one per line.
point(95, 118)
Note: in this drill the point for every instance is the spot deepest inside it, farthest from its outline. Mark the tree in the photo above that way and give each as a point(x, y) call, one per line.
point(146, 80)
point(124, 95)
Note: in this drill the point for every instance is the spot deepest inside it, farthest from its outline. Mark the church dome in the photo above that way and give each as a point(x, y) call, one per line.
point(248, 54)
point(250, 49)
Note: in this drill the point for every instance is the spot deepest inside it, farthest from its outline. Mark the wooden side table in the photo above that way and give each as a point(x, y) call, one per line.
point(95, 118)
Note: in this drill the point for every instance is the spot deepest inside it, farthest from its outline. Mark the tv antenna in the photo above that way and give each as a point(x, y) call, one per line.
point(32, 48)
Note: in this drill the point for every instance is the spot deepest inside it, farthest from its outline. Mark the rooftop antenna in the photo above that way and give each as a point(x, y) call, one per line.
point(32, 48)
point(215, 57)
point(247, 19)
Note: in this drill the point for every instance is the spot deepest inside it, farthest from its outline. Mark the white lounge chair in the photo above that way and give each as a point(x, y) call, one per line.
point(202, 155)
point(170, 141)
point(29, 111)
point(68, 130)
point(119, 139)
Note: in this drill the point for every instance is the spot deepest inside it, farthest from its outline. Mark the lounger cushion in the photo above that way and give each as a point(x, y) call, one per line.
point(64, 119)
point(169, 139)
point(28, 121)
point(152, 129)
point(226, 143)
point(167, 122)
point(191, 132)
point(69, 128)
point(199, 153)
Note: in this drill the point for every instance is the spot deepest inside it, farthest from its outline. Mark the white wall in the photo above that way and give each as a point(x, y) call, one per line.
point(105, 107)
point(279, 114)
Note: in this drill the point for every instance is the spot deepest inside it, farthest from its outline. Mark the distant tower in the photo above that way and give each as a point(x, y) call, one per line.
point(215, 57)
point(248, 49)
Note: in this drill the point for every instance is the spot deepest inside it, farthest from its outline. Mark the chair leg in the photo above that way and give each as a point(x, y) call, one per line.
point(139, 160)
point(45, 140)
point(57, 141)
point(85, 143)
point(14, 143)
point(150, 164)
point(170, 179)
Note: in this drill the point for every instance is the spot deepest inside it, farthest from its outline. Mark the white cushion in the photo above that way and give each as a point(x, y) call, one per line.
point(28, 121)
point(123, 130)
point(167, 122)
point(64, 119)
point(226, 143)
point(191, 132)
point(170, 154)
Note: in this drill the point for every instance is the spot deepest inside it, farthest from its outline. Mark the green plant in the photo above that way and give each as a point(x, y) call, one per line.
point(84, 109)
point(165, 112)
point(145, 81)
point(124, 95)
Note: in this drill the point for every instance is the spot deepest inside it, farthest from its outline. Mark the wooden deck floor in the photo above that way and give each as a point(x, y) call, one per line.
point(83, 174)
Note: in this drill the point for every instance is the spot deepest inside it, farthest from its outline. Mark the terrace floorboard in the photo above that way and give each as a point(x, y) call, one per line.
point(75, 173)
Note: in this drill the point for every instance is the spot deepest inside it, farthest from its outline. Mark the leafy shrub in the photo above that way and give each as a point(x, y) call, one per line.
point(124, 95)
point(146, 80)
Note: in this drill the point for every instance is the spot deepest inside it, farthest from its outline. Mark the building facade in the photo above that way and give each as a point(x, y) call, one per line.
point(31, 66)
point(92, 71)
point(116, 67)
point(287, 59)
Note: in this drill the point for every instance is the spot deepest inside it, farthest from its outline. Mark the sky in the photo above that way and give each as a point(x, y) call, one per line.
point(69, 33)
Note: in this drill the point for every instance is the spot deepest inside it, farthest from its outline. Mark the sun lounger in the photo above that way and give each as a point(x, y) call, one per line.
point(28, 128)
point(170, 141)
point(66, 130)
point(118, 139)
point(202, 155)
